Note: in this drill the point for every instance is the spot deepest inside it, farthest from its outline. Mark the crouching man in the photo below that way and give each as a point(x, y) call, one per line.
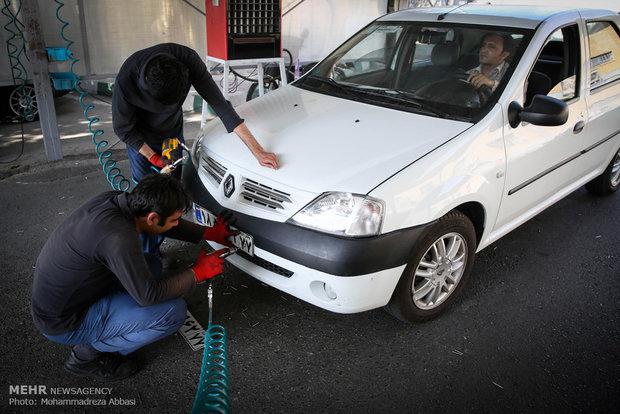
point(96, 290)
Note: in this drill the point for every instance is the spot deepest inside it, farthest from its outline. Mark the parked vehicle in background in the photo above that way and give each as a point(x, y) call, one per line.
point(400, 162)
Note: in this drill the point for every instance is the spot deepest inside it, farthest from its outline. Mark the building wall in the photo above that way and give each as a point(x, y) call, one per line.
point(591, 4)
point(117, 28)
point(316, 27)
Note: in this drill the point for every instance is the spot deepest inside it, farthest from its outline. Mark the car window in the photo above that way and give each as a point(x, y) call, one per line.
point(445, 70)
point(604, 53)
point(372, 54)
point(556, 71)
point(425, 43)
point(422, 53)
point(458, 53)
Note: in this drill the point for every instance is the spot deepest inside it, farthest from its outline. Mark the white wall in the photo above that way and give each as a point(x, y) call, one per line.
point(117, 28)
point(592, 4)
point(317, 27)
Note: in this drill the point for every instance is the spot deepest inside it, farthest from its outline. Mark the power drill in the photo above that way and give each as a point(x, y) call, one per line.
point(172, 150)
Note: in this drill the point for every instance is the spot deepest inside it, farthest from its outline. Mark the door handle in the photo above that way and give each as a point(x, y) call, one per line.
point(578, 127)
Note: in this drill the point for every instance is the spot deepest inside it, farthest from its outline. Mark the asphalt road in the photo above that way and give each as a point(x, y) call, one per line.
point(536, 329)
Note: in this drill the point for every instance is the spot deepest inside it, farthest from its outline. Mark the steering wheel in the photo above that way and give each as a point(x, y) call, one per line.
point(460, 74)
point(484, 91)
point(452, 91)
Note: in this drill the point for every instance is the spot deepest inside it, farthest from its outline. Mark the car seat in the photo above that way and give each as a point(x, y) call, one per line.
point(537, 84)
point(443, 57)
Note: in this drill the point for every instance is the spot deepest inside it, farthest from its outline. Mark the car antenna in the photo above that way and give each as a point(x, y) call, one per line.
point(443, 15)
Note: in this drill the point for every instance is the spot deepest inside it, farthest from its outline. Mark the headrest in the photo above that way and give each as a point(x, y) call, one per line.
point(445, 54)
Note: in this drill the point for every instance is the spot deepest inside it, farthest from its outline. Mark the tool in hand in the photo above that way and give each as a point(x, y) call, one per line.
point(210, 296)
point(172, 150)
point(230, 252)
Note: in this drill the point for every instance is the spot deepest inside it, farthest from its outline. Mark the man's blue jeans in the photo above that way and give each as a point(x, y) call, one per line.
point(141, 167)
point(117, 323)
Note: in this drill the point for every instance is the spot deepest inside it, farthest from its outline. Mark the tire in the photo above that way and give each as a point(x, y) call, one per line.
point(23, 103)
point(443, 281)
point(608, 182)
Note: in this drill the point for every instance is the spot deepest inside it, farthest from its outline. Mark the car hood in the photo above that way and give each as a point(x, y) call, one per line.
point(326, 143)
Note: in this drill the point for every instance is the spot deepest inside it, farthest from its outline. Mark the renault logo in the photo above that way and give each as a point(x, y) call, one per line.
point(229, 186)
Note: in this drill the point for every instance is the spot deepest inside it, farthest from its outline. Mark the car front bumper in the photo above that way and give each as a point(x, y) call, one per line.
point(344, 275)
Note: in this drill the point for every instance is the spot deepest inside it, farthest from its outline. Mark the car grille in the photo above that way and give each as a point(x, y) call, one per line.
point(215, 170)
point(272, 267)
point(264, 196)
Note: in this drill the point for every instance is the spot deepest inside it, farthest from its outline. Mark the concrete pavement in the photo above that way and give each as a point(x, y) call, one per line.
point(535, 331)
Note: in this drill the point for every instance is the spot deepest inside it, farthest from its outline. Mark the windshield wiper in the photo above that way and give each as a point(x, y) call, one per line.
point(423, 103)
point(331, 82)
point(404, 97)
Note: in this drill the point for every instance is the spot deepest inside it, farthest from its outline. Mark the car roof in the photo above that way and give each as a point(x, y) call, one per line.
point(493, 15)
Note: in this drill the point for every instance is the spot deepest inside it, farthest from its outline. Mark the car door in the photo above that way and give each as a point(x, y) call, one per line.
point(603, 93)
point(539, 158)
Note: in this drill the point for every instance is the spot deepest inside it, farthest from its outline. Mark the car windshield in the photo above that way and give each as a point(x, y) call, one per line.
point(444, 70)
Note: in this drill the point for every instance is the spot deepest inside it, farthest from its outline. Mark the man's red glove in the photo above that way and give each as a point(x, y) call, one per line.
point(221, 231)
point(157, 160)
point(209, 265)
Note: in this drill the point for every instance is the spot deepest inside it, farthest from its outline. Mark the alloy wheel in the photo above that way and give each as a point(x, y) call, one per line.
point(615, 170)
point(439, 271)
point(23, 102)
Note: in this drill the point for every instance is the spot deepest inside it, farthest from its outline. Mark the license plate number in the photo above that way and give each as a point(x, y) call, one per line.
point(242, 240)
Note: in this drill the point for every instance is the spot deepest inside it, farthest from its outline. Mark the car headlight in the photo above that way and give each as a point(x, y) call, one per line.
point(343, 214)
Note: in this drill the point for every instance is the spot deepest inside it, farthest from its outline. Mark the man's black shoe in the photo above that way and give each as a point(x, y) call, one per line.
point(106, 367)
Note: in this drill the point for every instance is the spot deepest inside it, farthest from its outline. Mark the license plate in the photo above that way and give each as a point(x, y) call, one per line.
point(242, 240)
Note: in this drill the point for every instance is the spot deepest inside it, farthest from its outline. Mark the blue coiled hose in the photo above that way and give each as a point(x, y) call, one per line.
point(16, 49)
point(15, 45)
point(112, 173)
point(212, 394)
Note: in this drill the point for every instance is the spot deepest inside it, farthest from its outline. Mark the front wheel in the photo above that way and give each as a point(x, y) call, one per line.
point(608, 182)
point(438, 270)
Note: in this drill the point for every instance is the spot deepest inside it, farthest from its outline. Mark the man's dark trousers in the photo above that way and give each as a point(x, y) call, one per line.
point(117, 323)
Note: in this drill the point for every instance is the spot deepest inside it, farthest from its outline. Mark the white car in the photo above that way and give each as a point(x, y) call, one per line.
point(399, 161)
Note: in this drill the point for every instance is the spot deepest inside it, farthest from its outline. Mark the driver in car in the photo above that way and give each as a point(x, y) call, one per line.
point(494, 50)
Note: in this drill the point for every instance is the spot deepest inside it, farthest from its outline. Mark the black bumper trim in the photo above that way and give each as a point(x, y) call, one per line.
point(323, 252)
point(266, 264)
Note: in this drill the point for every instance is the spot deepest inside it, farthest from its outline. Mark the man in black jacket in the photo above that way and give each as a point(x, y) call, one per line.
point(96, 290)
point(146, 107)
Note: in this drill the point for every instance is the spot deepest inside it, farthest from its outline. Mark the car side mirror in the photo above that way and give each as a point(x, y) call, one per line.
point(544, 111)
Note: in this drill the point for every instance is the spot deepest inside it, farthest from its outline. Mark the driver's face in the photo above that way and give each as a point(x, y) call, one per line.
point(492, 50)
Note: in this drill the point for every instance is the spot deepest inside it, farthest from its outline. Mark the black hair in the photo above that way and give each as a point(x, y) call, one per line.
point(507, 45)
point(167, 79)
point(158, 193)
